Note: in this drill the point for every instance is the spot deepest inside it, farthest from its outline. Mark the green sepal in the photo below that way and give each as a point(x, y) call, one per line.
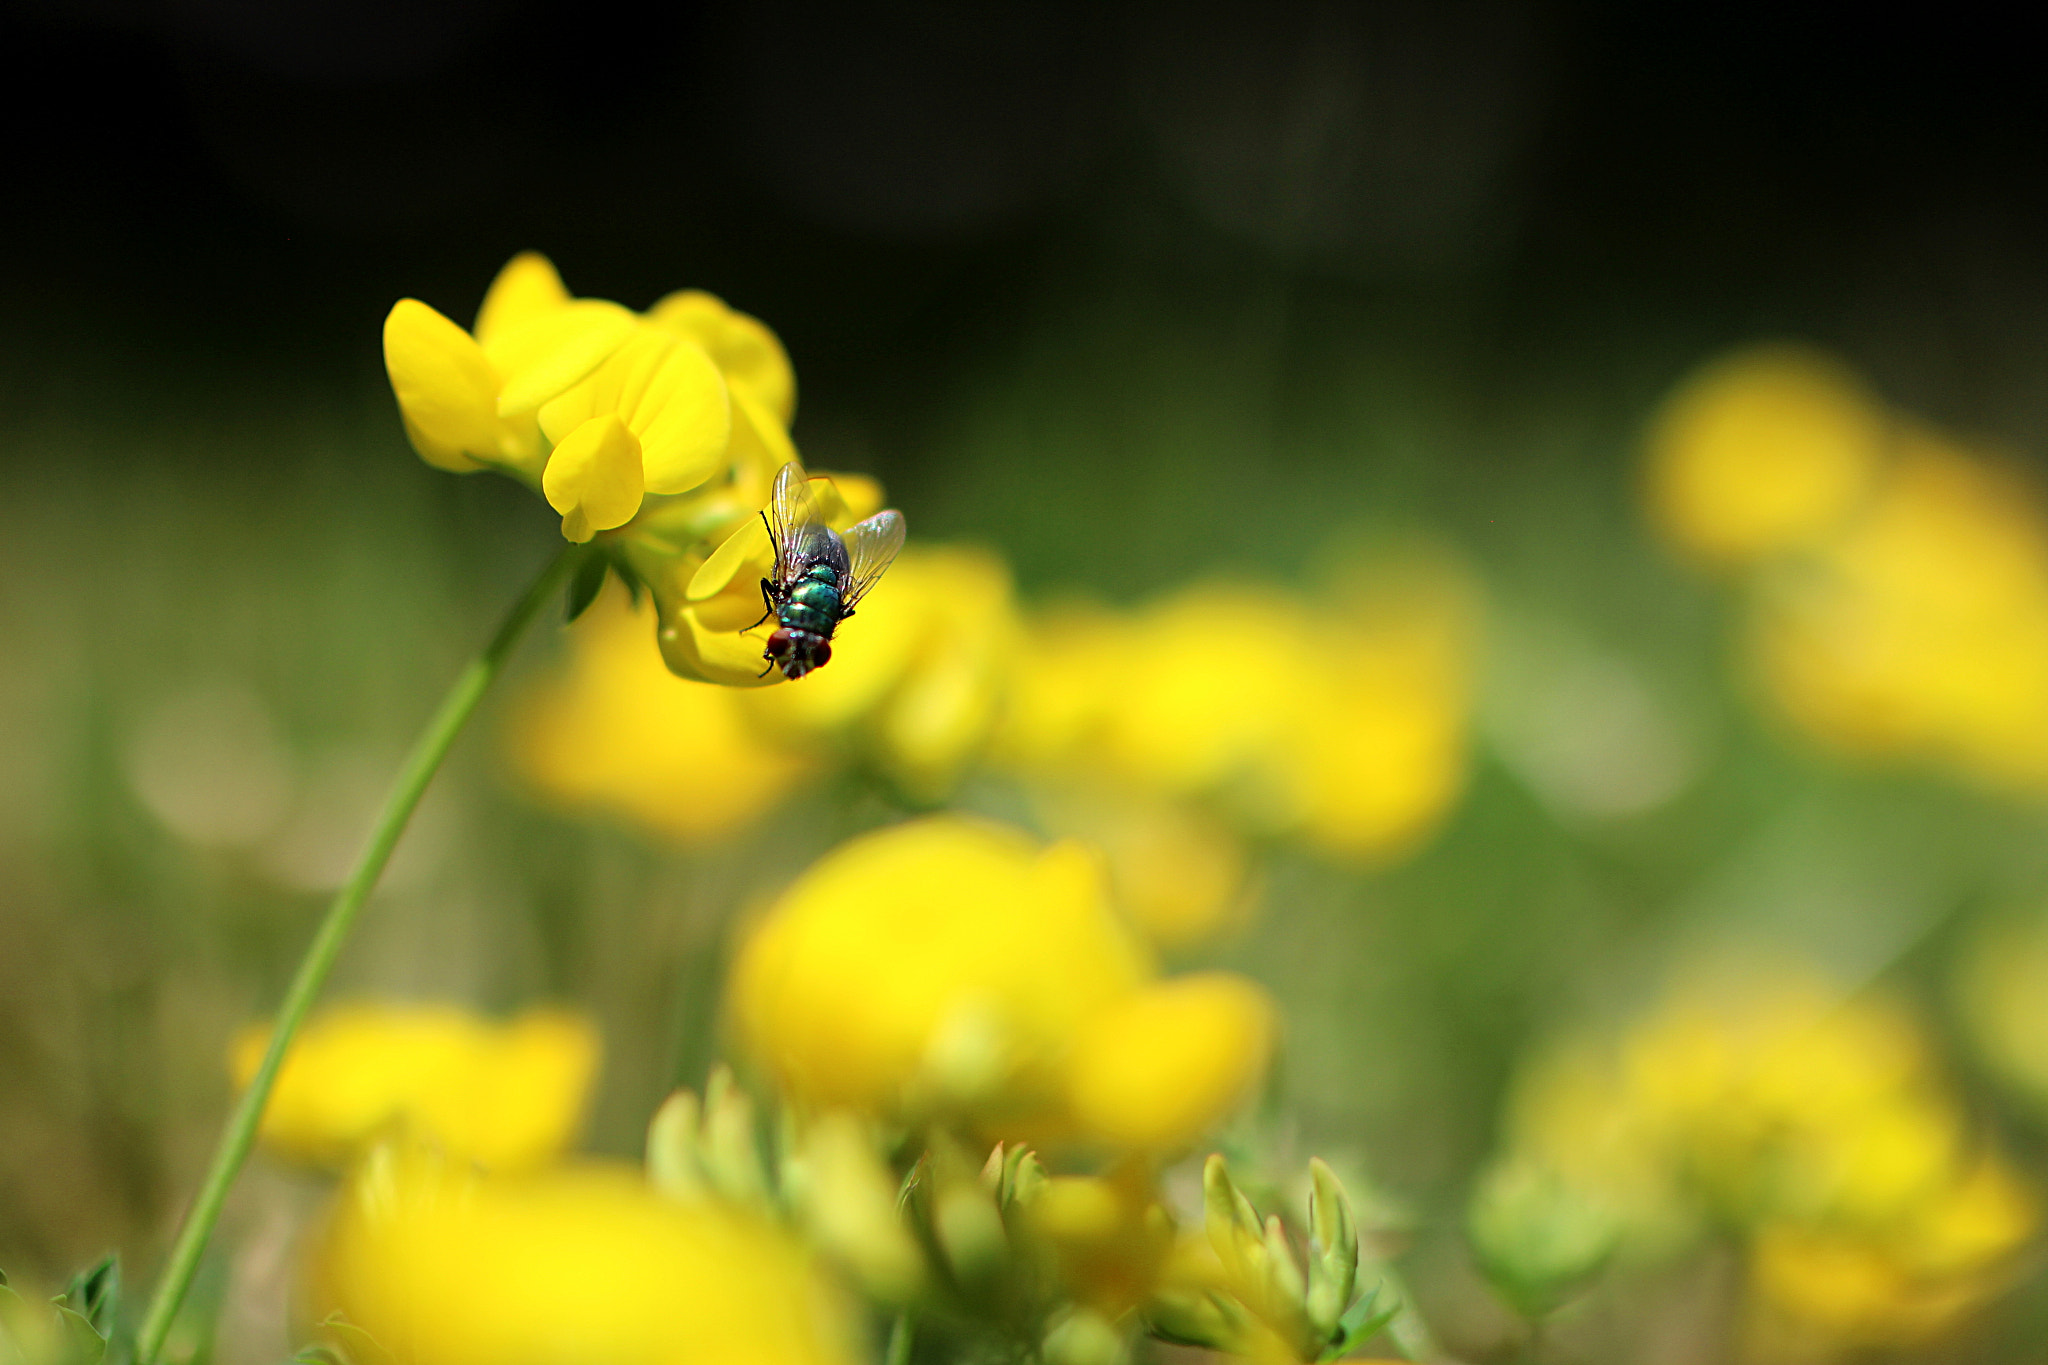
point(95, 1293)
point(587, 583)
point(1358, 1325)
point(86, 1344)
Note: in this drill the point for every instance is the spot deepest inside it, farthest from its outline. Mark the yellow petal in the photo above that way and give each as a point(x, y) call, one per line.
point(551, 352)
point(434, 452)
point(445, 387)
point(593, 478)
point(625, 369)
point(683, 419)
point(525, 289)
point(744, 347)
point(719, 656)
point(759, 444)
point(746, 552)
point(1161, 1067)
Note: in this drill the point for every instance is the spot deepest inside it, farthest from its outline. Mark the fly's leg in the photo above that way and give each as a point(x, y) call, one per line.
point(768, 600)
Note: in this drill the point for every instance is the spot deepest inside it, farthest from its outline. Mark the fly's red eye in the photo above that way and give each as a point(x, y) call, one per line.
point(778, 643)
point(821, 654)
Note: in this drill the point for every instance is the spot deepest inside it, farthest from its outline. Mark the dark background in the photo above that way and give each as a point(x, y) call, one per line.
point(200, 187)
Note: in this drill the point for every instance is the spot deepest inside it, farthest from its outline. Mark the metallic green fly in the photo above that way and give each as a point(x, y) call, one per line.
point(819, 576)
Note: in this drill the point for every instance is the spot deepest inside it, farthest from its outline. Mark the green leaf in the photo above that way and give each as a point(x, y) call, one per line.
point(585, 586)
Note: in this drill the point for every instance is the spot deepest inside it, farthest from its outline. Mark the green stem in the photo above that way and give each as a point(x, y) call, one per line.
point(901, 1337)
point(420, 765)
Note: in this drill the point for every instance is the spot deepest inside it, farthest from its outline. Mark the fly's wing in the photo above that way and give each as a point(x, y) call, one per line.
point(871, 547)
point(791, 512)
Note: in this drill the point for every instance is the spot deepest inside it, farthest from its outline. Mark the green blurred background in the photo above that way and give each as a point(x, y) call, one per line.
point(1128, 293)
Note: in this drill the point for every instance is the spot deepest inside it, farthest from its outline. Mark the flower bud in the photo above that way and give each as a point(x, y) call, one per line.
point(1332, 1249)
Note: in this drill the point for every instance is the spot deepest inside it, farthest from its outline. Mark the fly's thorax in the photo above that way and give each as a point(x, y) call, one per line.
point(813, 602)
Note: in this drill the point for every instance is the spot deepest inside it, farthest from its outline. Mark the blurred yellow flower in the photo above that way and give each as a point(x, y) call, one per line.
point(1180, 872)
point(576, 1264)
point(1109, 1235)
point(951, 969)
point(1347, 725)
point(1813, 1123)
point(1920, 629)
point(1154, 1070)
point(1762, 451)
point(614, 731)
point(506, 1096)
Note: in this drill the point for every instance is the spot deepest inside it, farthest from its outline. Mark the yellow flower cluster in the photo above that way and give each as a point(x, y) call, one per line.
point(953, 971)
point(1813, 1126)
point(656, 434)
point(1898, 579)
point(507, 1096)
point(427, 1264)
point(1165, 735)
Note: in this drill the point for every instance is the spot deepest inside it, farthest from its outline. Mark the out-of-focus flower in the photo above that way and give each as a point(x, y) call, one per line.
point(1898, 580)
point(1179, 871)
point(506, 1096)
point(617, 732)
point(1815, 1126)
point(926, 665)
point(1920, 629)
point(1762, 451)
point(951, 969)
point(1154, 1070)
point(581, 1263)
point(1346, 724)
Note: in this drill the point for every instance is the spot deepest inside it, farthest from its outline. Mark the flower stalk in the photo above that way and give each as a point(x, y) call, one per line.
point(239, 1135)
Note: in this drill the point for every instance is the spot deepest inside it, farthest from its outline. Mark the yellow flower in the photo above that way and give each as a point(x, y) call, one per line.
point(1921, 628)
point(951, 969)
point(505, 1095)
point(576, 1264)
point(1181, 873)
point(1109, 1235)
point(1347, 725)
point(918, 683)
point(1813, 1124)
point(940, 960)
point(660, 433)
point(709, 595)
point(1154, 1070)
point(470, 401)
point(1762, 451)
point(617, 732)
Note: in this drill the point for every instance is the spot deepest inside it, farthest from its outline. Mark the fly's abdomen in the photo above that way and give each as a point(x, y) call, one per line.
point(813, 605)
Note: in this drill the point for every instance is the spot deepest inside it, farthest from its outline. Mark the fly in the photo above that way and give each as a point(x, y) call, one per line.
point(819, 576)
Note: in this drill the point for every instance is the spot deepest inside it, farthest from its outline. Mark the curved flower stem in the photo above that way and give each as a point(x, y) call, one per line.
point(420, 765)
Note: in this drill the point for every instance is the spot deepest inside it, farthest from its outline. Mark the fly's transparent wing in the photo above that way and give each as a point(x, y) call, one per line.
point(871, 547)
point(791, 512)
